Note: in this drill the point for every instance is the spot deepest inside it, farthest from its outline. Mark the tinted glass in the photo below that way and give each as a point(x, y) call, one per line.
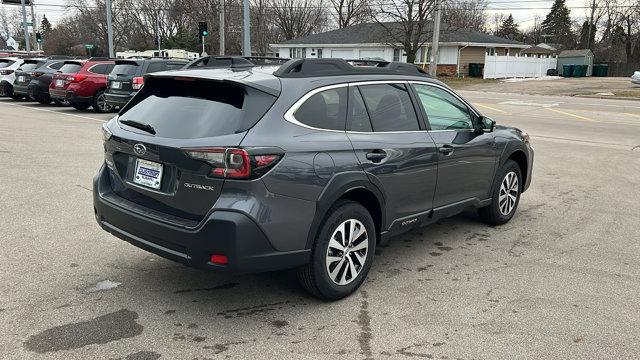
point(126, 69)
point(389, 107)
point(56, 65)
point(175, 66)
point(6, 63)
point(197, 109)
point(155, 67)
point(70, 68)
point(30, 66)
point(325, 110)
point(444, 111)
point(359, 118)
point(101, 69)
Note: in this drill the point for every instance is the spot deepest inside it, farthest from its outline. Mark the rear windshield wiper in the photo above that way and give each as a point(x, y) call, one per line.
point(138, 125)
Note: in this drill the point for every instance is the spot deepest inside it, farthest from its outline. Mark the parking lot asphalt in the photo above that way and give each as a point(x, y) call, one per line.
point(560, 281)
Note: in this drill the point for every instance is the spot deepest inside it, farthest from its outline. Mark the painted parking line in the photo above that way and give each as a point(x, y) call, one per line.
point(492, 108)
point(53, 111)
point(570, 114)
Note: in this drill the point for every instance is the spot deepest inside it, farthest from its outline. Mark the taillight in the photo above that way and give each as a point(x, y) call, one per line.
point(76, 78)
point(6, 72)
point(137, 83)
point(234, 163)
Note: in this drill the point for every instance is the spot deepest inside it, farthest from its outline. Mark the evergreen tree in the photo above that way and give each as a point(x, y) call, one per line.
point(45, 25)
point(587, 39)
point(557, 25)
point(509, 29)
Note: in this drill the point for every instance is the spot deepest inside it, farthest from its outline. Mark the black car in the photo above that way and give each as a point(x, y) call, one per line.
point(310, 165)
point(34, 78)
point(127, 77)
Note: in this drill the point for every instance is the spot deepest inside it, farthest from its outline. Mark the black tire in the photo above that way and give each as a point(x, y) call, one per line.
point(100, 104)
point(44, 101)
point(16, 97)
point(80, 106)
point(492, 214)
point(61, 102)
point(314, 277)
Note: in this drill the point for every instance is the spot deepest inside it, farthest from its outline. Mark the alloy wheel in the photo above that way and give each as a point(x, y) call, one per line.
point(508, 193)
point(102, 103)
point(347, 251)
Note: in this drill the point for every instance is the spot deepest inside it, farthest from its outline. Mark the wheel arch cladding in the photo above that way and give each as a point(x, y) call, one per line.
point(353, 186)
point(519, 157)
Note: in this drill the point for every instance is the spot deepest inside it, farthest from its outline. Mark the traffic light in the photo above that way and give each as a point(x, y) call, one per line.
point(203, 28)
point(38, 38)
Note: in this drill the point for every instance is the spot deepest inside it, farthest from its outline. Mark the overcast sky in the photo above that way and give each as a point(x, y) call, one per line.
point(523, 10)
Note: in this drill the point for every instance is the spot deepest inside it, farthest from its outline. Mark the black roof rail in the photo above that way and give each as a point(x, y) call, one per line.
point(233, 62)
point(266, 60)
point(300, 68)
point(99, 58)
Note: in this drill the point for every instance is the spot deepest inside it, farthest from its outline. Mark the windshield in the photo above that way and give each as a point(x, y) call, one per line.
point(31, 66)
point(70, 68)
point(187, 109)
point(6, 63)
point(127, 69)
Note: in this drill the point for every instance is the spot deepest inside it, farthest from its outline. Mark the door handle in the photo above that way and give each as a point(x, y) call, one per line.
point(376, 155)
point(446, 149)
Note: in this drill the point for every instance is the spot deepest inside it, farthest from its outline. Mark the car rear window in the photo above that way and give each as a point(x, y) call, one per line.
point(31, 66)
point(70, 68)
point(126, 69)
point(6, 63)
point(191, 109)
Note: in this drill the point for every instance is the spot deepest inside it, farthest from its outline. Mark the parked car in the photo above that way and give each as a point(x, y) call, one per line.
point(127, 77)
point(8, 67)
point(34, 84)
point(82, 83)
point(310, 166)
point(635, 78)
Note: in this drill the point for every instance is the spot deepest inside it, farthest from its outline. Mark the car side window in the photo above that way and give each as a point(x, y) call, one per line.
point(155, 67)
point(100, 69)
point(57, 66)
point(175, 65)
point(324, 110)
point(444, 111)
point(358, 116)
point(389, 107)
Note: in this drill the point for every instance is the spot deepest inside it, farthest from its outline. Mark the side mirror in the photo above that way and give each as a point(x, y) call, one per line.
point(486, 124)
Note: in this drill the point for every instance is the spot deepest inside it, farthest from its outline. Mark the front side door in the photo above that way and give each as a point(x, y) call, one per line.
point(466, 157)
point(393, 149)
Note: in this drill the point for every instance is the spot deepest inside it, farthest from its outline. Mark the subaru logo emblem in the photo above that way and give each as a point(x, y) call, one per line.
point(139, 149)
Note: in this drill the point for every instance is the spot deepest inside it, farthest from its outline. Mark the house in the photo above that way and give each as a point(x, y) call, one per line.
point(539, 51)
point(458, 48)
point(576, 57)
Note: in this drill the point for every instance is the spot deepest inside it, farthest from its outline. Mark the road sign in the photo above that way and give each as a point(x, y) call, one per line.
point(15, 2)
point(88, 46)
point(29, 23)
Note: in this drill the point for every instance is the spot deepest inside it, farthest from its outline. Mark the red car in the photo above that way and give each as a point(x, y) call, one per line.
point(82, 83)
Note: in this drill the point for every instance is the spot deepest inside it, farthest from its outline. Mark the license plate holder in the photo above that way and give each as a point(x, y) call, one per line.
point(148, 174)
point(59, 83)
point(21, 78)
point(116, 85)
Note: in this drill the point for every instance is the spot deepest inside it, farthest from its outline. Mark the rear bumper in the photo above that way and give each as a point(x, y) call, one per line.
point(230, 233)
point(118, 100)
point(69, 95)
point(36, 92)
point(21, 89)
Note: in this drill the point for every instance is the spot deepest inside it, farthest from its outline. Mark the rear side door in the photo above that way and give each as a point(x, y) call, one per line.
point(466, 157)
point(393, 148)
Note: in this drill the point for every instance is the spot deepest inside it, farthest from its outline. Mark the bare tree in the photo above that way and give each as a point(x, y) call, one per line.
point(496, 20)
point(298, 18)
point(350, 12)
point(406, 22)
point(465, 14)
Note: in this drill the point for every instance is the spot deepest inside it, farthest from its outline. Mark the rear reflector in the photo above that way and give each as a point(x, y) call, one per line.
point(219, 259)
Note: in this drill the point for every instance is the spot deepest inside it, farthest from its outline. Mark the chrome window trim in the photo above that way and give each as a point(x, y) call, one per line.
point(290, 117)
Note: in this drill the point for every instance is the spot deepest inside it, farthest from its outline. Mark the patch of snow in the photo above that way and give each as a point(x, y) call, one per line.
point(104, 285)
point(605, 94)
point(542, 78)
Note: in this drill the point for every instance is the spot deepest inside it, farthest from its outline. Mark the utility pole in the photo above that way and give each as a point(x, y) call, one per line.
point(109, 29)
point(25, 27)
point(246, 44)
point(35, 25)
point(593, 11)
point(221, 30)
point(158, 34)
point(433, 66)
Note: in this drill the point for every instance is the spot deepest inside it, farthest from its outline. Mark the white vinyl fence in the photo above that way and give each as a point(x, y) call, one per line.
point(498, 67)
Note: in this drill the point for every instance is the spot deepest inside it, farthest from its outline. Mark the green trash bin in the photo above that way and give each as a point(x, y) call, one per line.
point(584, 69)
point(577, 71)
point(600, 70)
point(475, 70)
point(567, 70)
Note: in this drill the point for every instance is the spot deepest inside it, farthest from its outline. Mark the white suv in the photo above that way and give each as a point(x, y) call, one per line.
point(8, 68)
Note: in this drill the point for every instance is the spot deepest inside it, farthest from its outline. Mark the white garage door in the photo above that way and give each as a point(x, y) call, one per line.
point(372, 54)
point(342, 54)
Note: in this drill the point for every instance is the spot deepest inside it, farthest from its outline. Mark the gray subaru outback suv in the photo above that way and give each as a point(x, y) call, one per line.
point(309, 165)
